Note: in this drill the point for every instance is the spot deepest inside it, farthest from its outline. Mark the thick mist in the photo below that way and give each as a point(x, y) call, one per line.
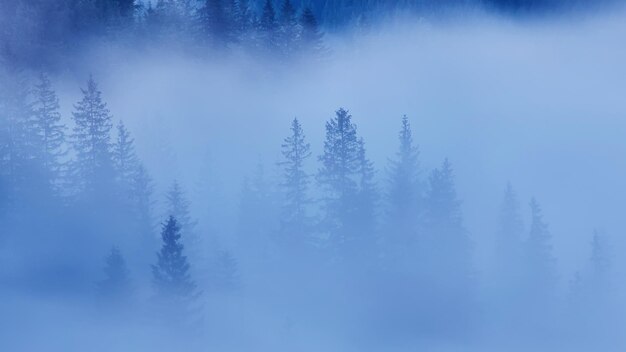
point(535, 103)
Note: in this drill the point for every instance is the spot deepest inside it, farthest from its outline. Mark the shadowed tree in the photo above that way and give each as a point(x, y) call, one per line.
point(295, 150)
point(268, 27)
point(50, 131)
point(508, 249)
point(540, 264)
point(311, 38)
point(175, 290)
point(338, 177)
point(115, 288)
point(405, 203)
point(177, 205)
point(93, 168)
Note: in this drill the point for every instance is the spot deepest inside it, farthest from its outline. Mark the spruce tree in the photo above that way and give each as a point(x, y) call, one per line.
point(601, 261)
point(364, 226)
point(295, 183)
point(124, 158)
point(288, 29)
point(268, 28)
point(170, 275)
point(178, 206)
point(508, 249)
point(338, 176)
point(445, 243)
point(404, 197)
point(93, 167)
point(539, 262)
point(311, 38)
point(50, 131)
point(116, 286)
point(215, 23)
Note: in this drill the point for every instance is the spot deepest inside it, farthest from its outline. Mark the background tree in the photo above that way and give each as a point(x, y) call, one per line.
point(93, 167)
point(115, 287)
point(508, 246)
point(404, 198)
point(175, 289)
point(50, 131)
point(338, 177)
point(295, 151)
point(540, 264)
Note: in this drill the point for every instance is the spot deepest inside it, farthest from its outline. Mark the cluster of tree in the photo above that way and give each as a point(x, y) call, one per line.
point(87, 181)
point(40, 33)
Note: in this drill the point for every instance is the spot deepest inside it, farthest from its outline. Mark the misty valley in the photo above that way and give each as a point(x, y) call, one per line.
point(231, 175)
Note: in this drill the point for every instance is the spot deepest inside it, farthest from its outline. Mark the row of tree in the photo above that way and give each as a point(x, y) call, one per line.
point(44, 33)
point(88, 182)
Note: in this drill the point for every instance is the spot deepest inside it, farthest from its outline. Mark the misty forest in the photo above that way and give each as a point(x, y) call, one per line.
point(321, 175)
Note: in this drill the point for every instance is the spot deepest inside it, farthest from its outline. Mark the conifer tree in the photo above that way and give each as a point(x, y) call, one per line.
point(295, 183)
point(215, 23)
point(509, 240)
point(124, 158)
point(365, 219)
point(445, 243)
point(116, 284)
point(601, 261)
point(540, 264)
point(170, 275)
point(50, 131)
point(288, 29)
point(141, 192)
point(311, 38)
point(178, 207)
point(93, 167)
point(338, 175)
point(268, 27)
point(404, 196)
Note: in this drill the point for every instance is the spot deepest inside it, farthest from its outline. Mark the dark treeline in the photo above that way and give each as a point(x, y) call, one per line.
point(73, 194)
point(48, 34)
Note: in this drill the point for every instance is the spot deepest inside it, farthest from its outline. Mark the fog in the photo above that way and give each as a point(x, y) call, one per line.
point(535, 103)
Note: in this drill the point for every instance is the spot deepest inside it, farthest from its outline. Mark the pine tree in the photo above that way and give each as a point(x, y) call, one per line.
point(171, 278)
point(445, 243)
point(50, 131)
point(295, 183)
point(141, 191)
point(404, 195)
point(116, 285)
point(509, 240)
point(268, 27)
point(177, 205)
point(365, 219)
point(540, 264)
point(288, 29)
point(91, 140)
point(215, 23)
point(311, 38)
point(601, 261)
point(338, 176)
point(124, 158)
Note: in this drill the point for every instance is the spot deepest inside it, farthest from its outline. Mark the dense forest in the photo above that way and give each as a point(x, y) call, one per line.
point(188, 175)
point(48, 34)
point(396, 253)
